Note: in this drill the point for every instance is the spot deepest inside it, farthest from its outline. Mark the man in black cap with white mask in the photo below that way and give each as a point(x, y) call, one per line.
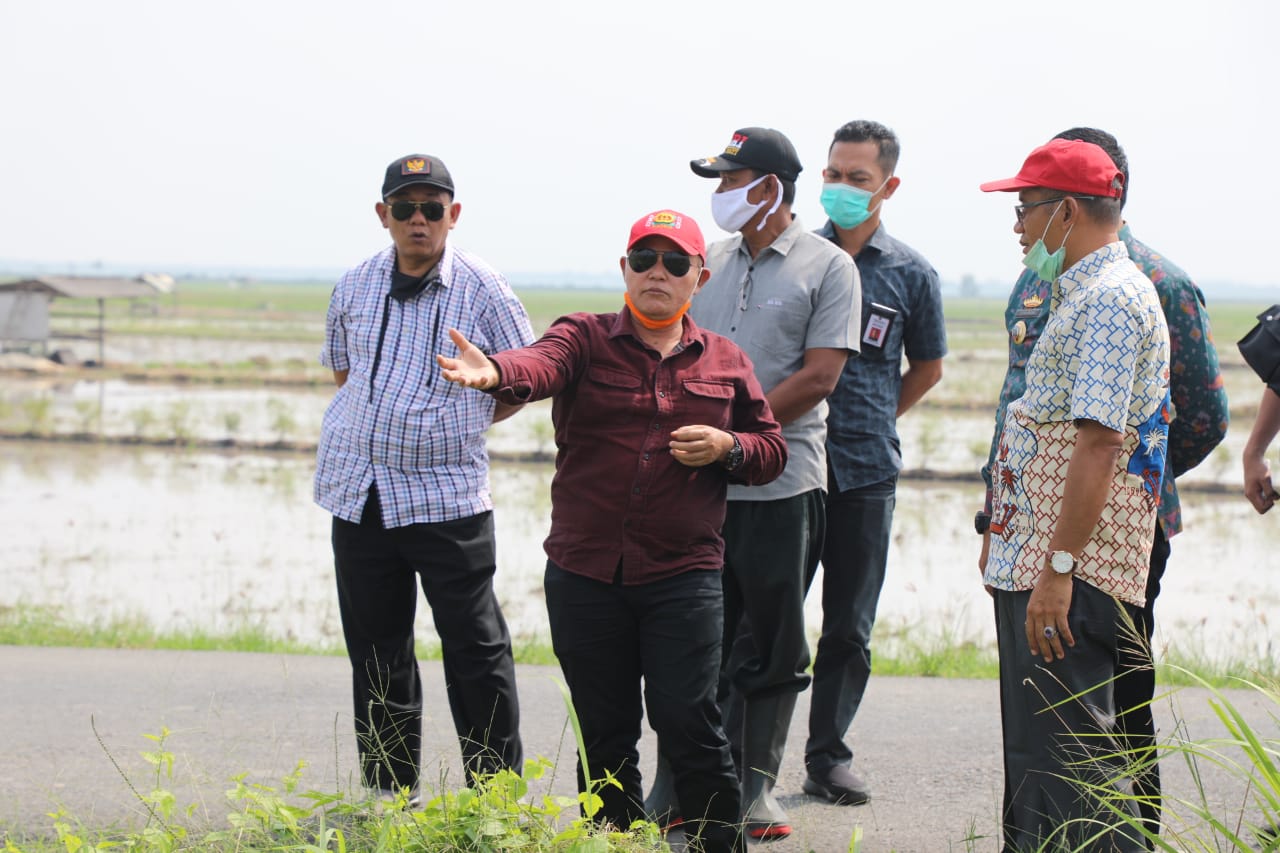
point(792, 301)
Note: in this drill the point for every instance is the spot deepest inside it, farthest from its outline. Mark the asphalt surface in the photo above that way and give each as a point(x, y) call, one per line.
point(73, 725)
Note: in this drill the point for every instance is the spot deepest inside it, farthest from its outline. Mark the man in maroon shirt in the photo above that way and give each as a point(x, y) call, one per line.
point(653, 418)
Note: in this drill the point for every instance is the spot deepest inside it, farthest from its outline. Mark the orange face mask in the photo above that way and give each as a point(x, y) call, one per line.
point(654, 325)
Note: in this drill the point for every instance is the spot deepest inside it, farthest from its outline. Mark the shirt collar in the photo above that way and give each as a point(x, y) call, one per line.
point(1083, 271)
point(443, 268)
point(781, 244)
point(879, 239)
point(625, 326)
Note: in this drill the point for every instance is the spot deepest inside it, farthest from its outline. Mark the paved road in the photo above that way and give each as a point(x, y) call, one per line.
point(930, 747)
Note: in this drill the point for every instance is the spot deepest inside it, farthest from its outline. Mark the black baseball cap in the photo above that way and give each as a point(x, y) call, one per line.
point(416, 169)
point(760, 148)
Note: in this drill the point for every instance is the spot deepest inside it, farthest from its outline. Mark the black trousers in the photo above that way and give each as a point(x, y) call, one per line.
point(1060, 736)
point(608, 637)
point(377, 573)
point(1136, 688)
point(855, 555)
point(771, 553)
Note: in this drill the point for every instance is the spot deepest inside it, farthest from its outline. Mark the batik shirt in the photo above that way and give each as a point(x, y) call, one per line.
point(1195, 381)
point(1103, 357)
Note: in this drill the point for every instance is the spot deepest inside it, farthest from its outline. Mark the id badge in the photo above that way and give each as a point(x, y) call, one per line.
point(879, 322)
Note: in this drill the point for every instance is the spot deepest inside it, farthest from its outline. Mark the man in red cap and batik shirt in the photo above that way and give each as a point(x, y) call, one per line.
point(654, 418)
point(1076, 483)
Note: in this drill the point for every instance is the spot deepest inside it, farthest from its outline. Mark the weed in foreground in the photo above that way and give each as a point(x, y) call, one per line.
point(502, 812)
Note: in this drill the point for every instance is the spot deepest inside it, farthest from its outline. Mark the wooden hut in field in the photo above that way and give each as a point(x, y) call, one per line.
point(24, 304)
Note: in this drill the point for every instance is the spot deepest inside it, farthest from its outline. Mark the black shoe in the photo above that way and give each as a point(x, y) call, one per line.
point(838, 785)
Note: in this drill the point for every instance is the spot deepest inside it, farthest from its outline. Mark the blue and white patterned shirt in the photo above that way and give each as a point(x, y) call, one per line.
point(396, 421)
point(1103, 357)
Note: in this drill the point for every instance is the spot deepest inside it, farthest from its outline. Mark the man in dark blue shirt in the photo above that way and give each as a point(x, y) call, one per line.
point(901, 313)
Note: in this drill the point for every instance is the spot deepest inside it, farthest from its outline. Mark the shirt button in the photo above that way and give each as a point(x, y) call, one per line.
point(662, 393)
point(646, 457)
point(636, 490)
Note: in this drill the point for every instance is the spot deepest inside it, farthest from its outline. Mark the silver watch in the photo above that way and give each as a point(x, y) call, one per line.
point(1062, 562)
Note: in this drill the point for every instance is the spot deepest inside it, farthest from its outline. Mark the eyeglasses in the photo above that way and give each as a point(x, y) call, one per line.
point(403, 211)
point(677, 263)
point(1020, 210)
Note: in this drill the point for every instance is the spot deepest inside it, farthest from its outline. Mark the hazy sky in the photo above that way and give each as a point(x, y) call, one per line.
point(255, 134)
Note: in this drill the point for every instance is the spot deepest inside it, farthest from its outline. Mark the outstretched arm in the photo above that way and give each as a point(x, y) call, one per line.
point(471, 368)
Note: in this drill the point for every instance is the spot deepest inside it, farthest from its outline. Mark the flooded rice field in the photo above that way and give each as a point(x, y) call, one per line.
point(197, 539)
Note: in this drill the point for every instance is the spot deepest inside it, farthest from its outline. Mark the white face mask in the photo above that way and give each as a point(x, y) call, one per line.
point(731, 210)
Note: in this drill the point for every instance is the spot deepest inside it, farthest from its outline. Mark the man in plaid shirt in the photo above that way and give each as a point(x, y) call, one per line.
point(403, 468)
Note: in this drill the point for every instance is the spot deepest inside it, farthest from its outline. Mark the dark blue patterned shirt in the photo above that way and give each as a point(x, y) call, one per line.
point(862, 434)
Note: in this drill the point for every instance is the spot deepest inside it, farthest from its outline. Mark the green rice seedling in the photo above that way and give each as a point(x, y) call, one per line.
point(178, 419)
point(231, 423)
point(38, 412)
point(88, 416)
point(283, 422)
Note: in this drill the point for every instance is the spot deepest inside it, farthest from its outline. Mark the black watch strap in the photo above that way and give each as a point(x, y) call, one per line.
point(734, 460)
point(981, 522)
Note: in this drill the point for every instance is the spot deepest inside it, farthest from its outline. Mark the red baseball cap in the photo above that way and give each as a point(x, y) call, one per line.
point(1070, 165)
point(675, 226)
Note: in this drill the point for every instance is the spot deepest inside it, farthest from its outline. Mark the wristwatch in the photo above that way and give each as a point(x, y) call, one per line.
point(1062, 562)
point(734, 460)
point(981, 522)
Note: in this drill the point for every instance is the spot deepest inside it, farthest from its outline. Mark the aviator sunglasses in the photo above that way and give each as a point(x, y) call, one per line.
point(677, 263)
point(403, 210)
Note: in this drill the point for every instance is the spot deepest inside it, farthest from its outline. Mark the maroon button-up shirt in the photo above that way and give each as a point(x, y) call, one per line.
point(619, 498)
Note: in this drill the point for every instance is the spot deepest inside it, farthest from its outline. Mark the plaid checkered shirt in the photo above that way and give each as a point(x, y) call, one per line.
point(396, 421)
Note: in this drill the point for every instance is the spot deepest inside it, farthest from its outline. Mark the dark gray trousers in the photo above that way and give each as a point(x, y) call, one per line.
point(1061, 756)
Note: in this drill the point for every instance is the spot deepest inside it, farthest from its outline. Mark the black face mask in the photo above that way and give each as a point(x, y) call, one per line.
point(404, 288)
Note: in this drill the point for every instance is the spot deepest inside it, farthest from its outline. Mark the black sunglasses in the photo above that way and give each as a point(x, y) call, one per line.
point(403, 211)
point(677, 263)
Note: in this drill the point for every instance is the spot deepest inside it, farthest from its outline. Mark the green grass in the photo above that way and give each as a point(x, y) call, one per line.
point(45, 626)
point(904, 650)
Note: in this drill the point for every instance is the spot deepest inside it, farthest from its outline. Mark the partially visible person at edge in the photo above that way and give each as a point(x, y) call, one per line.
point(402, 466)
point(1261, 349)
point(1076, 484)
point(1199, 425)
point(901, 312)
point(791, 300)
point(654, 418)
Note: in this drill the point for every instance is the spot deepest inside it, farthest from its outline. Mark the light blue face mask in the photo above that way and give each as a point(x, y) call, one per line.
point(1040, 260)
point(848, 206)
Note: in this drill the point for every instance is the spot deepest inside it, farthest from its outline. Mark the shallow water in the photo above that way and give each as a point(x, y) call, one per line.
point(195, 539)
point(944, 440)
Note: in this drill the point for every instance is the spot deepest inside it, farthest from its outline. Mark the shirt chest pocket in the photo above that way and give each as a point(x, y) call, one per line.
point(615, 395)
point(881, 334)
point(708, 402)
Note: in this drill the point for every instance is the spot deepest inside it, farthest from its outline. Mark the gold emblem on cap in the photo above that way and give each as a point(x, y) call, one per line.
point(1019, 332)
point(1033, 301)
point(415, 165)
point(666, 218)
